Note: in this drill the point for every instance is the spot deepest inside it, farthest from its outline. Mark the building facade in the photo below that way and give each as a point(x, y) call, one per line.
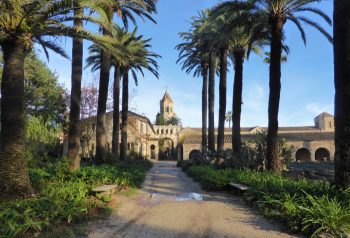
point(310, 143)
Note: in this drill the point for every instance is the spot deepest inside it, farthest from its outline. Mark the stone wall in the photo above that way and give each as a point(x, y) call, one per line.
point(311, 146)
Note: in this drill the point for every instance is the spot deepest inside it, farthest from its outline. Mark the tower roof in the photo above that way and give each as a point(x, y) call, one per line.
point(167, 97)
point(324, 114)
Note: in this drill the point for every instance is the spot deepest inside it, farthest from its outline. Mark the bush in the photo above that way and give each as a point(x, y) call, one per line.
point(64, 195)
point(304, 206)
point(253, 155)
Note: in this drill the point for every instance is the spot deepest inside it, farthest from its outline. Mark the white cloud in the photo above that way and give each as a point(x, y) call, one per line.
point(317, 108)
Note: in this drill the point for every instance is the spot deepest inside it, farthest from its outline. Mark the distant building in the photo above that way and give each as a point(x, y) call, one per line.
point(310, 143)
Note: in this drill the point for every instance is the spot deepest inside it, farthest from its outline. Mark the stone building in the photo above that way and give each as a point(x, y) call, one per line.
point(310, 143)
point(142, 138)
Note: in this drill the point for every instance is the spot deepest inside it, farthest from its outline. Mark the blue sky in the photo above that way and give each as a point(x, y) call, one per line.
point(307, 77)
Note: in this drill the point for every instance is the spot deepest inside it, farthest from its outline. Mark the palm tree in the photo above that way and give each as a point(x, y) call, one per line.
point(122, 47)
point(138, 58)
point(342, 94)
point(204, 38)
point(174, 120)
point(74, 114)
point(284, 58)
point(126, 11)
point(221, 42)
point(275, 14)
point(31, 22)
point(228, 118)
point(239, 40)
point(193, 59)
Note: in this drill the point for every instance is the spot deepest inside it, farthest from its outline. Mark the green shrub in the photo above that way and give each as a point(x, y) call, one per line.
point(302, 205)
point(325, 215)
point(64, 195)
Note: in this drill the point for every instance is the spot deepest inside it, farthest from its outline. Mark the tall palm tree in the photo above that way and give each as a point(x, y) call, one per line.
point(221, 41)
point(235, 39)
point(139, 58)
point(76, 77)
point(121, 39)
point(275, 14)
point(204, 38)
point(193, 59)
point(126, 11)
point(31, 22)
point(342, 92)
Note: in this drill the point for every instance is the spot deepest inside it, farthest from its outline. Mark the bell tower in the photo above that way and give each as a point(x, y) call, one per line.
point(167, 106)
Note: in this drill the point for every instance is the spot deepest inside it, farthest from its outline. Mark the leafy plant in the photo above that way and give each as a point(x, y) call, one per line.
point(304, 206)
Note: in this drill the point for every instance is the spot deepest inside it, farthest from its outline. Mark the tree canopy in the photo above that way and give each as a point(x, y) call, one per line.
point(44, 96)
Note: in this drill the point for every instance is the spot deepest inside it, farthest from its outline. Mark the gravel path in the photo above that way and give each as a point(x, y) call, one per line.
point(155, 212)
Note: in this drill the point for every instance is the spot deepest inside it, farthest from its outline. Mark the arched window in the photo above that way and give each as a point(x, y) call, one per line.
point(171, 131)
point(162, 131)
point(322, 154)
point(302, 155)
point(166, 132)
point(157, 131)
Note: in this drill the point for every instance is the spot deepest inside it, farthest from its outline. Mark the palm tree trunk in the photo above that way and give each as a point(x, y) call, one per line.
point(74, 116)
point(342, 92)
point(273, 161)
point(101, 130)
point(222, 100)
point(237, 103)
point(101, 127)
point(204, 108)
point(125, 109)
point(116, 94)
point(14, 179)
point(211, 100)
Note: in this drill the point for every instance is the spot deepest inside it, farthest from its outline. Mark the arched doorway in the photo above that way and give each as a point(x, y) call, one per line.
point(153, 151)
point(195, 155)
point(302, 155)
point(166, 149)
point(322, 154)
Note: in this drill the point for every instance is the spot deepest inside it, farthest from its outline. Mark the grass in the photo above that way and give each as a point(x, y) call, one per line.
point(65, 196)
point(303, 206)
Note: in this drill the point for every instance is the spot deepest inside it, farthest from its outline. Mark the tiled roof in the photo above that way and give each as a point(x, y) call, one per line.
point(248, 129)
point(314, 136)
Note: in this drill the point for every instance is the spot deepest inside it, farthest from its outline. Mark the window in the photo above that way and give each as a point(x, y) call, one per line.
point(330, 124)
point(162, 131)
point(166, 132)
point(157, 131)
point(171, 131)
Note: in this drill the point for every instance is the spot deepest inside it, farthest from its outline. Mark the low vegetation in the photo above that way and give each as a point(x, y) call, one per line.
point(64, 196)
point(303, 206)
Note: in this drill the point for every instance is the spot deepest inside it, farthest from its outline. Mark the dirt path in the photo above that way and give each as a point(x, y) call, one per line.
point(155, 212)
